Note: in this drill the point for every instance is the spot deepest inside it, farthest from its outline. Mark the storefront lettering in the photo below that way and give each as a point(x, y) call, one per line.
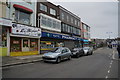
point(25, 30)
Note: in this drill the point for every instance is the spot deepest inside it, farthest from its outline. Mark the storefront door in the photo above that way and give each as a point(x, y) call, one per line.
point(25, 45)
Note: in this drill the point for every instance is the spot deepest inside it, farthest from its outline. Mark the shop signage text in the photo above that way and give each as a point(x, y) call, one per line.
point(58, 36)
point(5, 22)
point(25, 30)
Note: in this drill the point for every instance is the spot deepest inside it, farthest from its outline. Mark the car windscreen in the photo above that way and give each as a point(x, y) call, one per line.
point(56, 50)
point(86, 48)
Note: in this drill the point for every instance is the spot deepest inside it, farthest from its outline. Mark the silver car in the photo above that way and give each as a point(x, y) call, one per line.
point(88, 50)
point(57, 54)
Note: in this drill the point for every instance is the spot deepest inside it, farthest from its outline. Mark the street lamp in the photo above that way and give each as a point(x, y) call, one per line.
point(109, 34)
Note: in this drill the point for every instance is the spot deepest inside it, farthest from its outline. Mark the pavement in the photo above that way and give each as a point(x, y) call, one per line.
point(102, 64)
point(10, 61)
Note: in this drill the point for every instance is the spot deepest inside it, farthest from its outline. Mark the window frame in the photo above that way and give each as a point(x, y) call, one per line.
point(43, 5)
point(18, 17)
point(53, 13)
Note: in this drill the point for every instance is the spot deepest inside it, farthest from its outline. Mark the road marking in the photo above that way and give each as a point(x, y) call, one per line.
point(106, 77)
point(113, 56)
point(108, 71)
point(110, 66)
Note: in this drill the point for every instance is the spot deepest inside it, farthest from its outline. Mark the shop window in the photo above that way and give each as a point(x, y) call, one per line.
point(33, 44)
point(4, 37)
point(15, 45)
point(47, 45)
point(52, 11)
point(22, 17)
point(25, 43)
point(43, 7)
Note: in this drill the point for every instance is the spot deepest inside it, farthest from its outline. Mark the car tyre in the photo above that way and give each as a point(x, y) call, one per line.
point(58, 60)
point(91, 52)
point(69, 58)
point(77, 55)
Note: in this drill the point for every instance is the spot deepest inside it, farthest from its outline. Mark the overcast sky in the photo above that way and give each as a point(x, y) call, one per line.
point(101, 16)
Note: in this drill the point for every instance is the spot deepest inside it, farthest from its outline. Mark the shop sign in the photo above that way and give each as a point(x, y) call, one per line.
point(45, 34)
point(5, 22)
point(58, 36)
point(68, 37)
point(25, 30)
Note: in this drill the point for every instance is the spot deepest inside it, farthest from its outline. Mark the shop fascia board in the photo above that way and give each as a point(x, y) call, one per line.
point(13, 35)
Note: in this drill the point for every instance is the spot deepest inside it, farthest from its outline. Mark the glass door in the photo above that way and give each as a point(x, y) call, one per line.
point(25, 45)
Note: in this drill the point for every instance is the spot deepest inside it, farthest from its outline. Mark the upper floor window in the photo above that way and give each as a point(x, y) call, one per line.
point(67, 18)
point(22, 17)
point(43, 7)
point(78, 23)
point(52, 11)
point(71, 20)
point(62, 16)
point(75, 22)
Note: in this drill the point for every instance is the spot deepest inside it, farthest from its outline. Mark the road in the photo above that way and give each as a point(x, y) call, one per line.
point(102, 64)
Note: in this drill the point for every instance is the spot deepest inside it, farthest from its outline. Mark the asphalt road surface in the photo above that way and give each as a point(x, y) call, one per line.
point(102, 64)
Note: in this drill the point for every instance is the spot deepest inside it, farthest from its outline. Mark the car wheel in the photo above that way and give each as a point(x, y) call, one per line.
point(69, 58)
point(91, 52)
point(77, 55)
point(58, 60)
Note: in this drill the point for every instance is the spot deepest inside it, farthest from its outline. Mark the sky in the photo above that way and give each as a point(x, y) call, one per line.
point(100, 15)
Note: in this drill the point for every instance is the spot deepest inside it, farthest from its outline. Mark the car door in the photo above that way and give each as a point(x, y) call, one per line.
point(67, 53)
point(63, 53)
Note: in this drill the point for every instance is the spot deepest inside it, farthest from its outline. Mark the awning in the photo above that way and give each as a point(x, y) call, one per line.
point(85, 40)
point(22, 8)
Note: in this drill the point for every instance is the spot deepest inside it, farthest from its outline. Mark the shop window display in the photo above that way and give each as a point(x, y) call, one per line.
point(25, 43)
point(3, 37)
point(33, 44)
point(47, 45)
point(15, 45)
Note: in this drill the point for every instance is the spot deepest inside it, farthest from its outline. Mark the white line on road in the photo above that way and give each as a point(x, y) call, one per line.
point(110, 66)
point(108, 71)
point(106, 77)
point(113, 56)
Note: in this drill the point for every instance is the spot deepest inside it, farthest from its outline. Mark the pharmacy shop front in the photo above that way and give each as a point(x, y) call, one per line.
point(50, 40)
point(24, 40)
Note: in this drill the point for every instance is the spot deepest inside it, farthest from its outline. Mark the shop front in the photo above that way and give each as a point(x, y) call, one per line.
point(85, 42)
point(51, 40)
point(5, 25)
point(24, 40)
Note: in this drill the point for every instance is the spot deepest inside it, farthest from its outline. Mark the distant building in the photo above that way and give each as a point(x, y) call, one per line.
point(85, 33)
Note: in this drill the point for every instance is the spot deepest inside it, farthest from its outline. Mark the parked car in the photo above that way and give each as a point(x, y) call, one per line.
point(77, 52)
point(57, 54)
point(88, 50)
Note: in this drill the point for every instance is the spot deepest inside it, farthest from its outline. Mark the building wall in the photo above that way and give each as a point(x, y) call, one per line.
point(3, 8)
point(70, 15)
point(49, 5)
point(31, 6)
point(85, 31)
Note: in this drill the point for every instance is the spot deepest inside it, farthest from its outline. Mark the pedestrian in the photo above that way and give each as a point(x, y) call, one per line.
point(118, 49)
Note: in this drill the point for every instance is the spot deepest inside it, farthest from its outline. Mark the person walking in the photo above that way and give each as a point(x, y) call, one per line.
point(118, 49)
